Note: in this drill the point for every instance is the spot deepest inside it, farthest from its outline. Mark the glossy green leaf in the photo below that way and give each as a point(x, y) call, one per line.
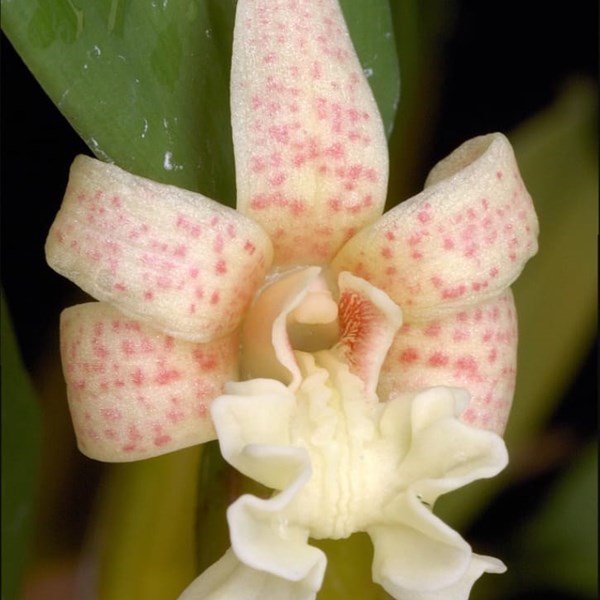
point(21, 430)
point(556, 295)
point(372, 33)
point(146, 85)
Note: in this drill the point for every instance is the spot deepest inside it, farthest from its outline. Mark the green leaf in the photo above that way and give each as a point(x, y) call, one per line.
point(21, 429)
point(560, 546)
point(146, 85)
point(373, 37)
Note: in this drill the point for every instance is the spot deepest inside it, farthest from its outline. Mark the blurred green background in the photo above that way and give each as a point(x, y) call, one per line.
point(467, 68)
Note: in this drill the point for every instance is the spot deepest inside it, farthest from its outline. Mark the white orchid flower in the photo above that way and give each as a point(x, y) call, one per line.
point(324, 345)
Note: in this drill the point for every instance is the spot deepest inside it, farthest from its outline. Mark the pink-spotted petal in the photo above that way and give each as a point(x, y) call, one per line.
point(135, 392)
point(462, 240)
point(369, 321)
point(310, 150)
point(474, 348)
point(180, 262)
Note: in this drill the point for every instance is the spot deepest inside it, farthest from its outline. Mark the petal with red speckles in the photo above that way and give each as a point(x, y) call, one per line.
point(310, 149)
point(462, 240)
point(180, 262)
point(474, 348)
point(135, 392)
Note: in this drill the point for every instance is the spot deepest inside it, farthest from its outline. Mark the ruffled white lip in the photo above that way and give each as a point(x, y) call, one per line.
point(341, 461)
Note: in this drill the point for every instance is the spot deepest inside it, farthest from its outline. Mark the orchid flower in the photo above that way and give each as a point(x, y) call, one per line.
point(358, 365)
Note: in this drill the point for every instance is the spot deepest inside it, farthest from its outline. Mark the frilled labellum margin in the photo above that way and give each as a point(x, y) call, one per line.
point(343, 461)
point(359, 365)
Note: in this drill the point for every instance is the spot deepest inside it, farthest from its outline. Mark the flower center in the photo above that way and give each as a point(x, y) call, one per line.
point(313, 324)
point(325, 341)
point(296, 310)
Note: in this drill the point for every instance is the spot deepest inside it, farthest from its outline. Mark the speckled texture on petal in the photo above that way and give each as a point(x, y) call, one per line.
point(462, 240)
point(174, 259)
point(135, 392)
point(474, 348)
point(310, 149)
